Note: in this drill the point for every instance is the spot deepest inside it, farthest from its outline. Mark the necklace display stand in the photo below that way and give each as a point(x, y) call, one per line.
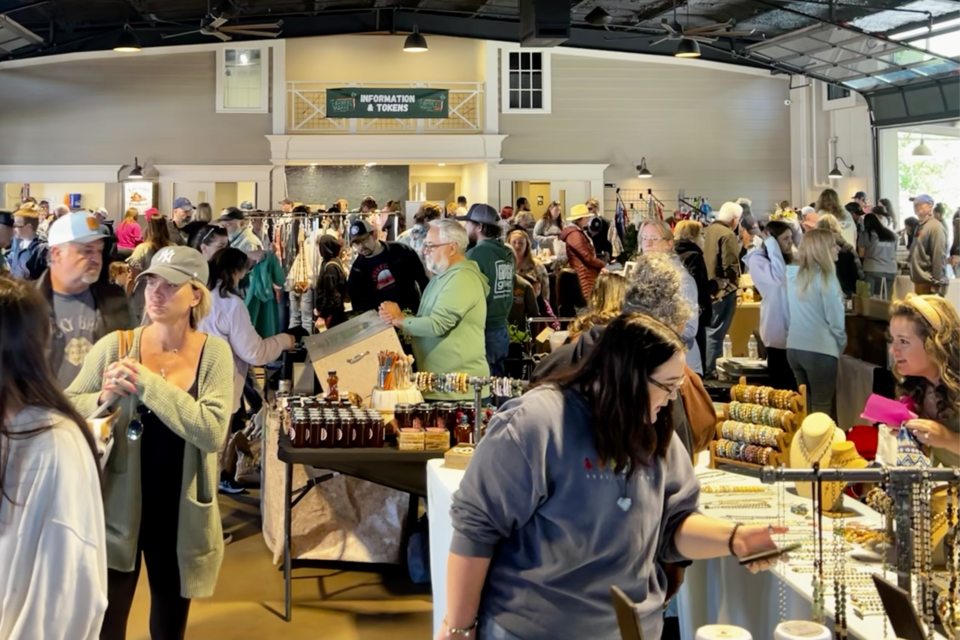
point(813, 444)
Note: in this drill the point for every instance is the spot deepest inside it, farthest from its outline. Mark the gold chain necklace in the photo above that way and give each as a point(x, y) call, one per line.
point(163, 372)
point(819, 452)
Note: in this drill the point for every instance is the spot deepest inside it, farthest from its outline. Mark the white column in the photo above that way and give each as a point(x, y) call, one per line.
point(491, 86)
point(279, 106)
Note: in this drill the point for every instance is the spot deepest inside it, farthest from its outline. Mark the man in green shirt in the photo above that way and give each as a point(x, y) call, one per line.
point(498, 264)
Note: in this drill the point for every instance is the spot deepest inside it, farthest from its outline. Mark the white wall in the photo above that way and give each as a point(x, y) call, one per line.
point(817, 136)
point(92, 195)
point(713, 132)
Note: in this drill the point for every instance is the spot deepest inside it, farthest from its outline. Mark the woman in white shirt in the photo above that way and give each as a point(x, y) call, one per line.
point(53, 549)
point(230, 320)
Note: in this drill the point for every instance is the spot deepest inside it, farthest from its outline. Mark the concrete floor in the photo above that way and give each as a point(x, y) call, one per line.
point(328, 604)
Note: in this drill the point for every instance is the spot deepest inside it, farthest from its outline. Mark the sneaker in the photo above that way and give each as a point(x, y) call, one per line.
point(231, 486)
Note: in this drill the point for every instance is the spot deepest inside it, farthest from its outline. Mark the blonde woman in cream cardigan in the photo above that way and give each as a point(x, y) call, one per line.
point(175, 391)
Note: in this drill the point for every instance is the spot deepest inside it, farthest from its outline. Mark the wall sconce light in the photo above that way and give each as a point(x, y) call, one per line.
point(836, 173)
point(642, 171)
point(137, 172)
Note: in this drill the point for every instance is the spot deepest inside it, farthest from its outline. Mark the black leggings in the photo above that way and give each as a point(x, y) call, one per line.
point(168, 610)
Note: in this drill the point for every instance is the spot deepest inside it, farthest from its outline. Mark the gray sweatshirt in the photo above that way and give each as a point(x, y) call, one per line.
point(538, 501)
point(928, 256)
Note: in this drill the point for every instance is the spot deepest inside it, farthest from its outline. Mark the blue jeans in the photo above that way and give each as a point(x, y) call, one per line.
point(720, 320)
point(497, 342)
point(875, 278)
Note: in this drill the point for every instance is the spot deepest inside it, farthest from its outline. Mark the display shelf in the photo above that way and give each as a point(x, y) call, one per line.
point(798, 406)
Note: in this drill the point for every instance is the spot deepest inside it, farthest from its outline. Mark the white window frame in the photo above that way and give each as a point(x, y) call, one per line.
point(838, 103)
point(546, 74)
point(264, 49)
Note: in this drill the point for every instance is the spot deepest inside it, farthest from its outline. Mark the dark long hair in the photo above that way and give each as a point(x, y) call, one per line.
point(613, 380)
point(872, 224)
point(206, 235)
point(27, 380)
point(224, 266)
point(158, 235)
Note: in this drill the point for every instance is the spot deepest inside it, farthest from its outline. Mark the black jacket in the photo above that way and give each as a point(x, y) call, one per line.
point(849, 268)
point(110, 302)
point(691, 255)
point(570, 354)
point(331, 289)
point(408, 274)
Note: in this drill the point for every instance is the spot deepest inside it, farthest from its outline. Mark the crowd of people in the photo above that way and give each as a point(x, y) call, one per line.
point(155, 326)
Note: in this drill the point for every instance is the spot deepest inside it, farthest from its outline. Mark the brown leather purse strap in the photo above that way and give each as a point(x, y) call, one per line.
point(124, 344)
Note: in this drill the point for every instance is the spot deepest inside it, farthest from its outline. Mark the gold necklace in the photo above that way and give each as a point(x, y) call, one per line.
point(163, 372)
point(806, 454)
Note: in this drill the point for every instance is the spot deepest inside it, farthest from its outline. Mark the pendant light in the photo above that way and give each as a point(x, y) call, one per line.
point(137, 172)
point(642, 171)
point(835, 173)
point(922, 150)
point(687, 48)
point(415, 42)
point(128, 42)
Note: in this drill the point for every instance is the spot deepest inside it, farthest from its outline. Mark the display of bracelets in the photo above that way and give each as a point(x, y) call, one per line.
point(762, 520)
point(860, 534)
point(878, 500)
point(759, 414)
point(738, 504)
point(734, 488)
point(449, 382)
point(752, 453)
point(506, 387)
point(750, 433)
point(766, 396)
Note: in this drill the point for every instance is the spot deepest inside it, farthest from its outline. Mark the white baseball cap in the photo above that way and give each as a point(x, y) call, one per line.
point(80, 227)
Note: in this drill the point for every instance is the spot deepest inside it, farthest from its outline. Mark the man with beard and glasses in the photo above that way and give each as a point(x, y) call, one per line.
point(177, 225)
point(83, 308)
point(240, 235)
point(447, 331)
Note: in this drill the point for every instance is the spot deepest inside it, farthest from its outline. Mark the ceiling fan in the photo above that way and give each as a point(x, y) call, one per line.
point(710, 33)
point(213, 24)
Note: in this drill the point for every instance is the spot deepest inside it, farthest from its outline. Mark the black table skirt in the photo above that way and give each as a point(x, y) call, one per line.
point(387, 466)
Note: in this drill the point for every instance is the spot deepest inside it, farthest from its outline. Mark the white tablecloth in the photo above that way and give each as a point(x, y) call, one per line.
point(714, 591)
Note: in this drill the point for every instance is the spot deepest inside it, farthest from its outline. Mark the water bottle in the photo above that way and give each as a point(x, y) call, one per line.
point(728, 347)
point(752, 351)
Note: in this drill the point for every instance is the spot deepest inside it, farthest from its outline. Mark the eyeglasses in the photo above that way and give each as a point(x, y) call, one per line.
point(428, 248)
point(671, 389)
point(651, 239)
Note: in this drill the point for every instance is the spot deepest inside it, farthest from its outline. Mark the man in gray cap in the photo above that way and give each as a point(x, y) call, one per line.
point(498, 263)
point(928, 255)
point(384, 272)
point(83, 308)
point(241, 236)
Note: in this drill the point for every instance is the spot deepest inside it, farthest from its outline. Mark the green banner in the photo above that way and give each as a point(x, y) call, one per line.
point(361, 102)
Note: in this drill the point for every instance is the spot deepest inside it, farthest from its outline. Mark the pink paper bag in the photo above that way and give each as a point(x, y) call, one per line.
point(889, 412)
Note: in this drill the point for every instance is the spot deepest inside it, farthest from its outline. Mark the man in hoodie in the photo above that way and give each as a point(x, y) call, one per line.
point(383, 271)
point(498, 263)
point(331, 289)
point(241, 236)
point(580, 251)
point(447, 331)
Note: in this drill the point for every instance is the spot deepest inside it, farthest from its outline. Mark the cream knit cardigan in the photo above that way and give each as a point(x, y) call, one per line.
point(202, 423)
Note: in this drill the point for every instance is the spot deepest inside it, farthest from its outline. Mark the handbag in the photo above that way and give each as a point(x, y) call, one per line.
point(102, 426)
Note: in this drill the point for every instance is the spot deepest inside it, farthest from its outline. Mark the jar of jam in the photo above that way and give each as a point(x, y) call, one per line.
point(374, 435)
point(349, 434)
point(464, 430)
point(329, 420)
point(447, 416)
point(297, 430)
point(345, 402)
point(424, 416)
point(333, 386)
point(404, 414)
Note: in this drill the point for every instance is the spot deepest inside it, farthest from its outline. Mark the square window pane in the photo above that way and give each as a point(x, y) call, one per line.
point(537, 100)
point(514, 79)
point(525, 80)
point(514, 99)
point(514, 60)
point(536, 62)
point(524, 99)
point(537, 78)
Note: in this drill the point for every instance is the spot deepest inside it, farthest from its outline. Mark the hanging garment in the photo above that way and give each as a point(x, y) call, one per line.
point(261, 300)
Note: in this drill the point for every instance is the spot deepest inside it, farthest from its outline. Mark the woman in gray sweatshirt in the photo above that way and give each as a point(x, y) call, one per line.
point(579, 485)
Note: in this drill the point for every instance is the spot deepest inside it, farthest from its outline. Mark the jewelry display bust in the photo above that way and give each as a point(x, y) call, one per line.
point(813, 443)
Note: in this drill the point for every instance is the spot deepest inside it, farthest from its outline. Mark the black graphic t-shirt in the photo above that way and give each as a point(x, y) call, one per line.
point(383, 281)
point(73, 334)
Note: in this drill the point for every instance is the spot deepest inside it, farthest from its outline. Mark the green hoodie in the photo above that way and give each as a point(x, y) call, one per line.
point(498, 264)
point(448, 330)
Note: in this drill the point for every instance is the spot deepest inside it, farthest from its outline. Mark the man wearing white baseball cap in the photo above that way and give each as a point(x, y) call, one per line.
point(83, 309)
point(928, 255)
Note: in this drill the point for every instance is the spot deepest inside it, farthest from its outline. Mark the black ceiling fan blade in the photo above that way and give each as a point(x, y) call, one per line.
point(182, 33)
